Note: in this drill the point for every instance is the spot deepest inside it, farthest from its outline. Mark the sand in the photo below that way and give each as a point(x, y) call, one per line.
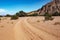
point(29, 28)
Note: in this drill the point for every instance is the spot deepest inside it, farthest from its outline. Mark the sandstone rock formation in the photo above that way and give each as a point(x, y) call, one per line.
point(50, 7)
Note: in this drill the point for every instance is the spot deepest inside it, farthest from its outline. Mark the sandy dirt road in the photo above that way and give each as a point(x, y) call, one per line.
point(25, 31)
point(29, 28)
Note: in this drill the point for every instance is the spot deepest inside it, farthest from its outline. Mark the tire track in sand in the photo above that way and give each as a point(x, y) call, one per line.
point(30, 33)
point(19, 34)
point(41, 33)
point(25, 31)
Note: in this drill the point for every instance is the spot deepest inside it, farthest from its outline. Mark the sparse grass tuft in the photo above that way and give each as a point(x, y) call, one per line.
point(14, 17)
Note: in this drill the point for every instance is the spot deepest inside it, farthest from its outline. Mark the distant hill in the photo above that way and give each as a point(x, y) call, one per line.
point(50, 8)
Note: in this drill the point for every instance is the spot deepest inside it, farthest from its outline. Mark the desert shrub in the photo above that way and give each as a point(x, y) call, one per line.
point(11, 22)
point(1, 26)
point(56, 14)
point(21, 14)
point(48, 16)
point(7, 22)
point(0, 18)
point(35, 14)
point(59, 14)
point(57, 23)
point(51, 18)
point(8, 15)
point(14, 17)
point(17, 14)
point(38, 21)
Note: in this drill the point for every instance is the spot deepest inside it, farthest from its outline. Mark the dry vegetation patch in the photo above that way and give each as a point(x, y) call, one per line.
point(11, 22)
point(57, 23)
point(38, 20)
point(7, 22)
point(1, 26)
point(0, 18)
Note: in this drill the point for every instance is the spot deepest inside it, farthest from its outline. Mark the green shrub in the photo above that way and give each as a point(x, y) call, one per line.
point(56, 14)
point(35, 14)
point(59, 14)
point(1, 16)
point(14, 17)
point(8, 15)
point(21, 14)
point(17, 14)
point(48, 16)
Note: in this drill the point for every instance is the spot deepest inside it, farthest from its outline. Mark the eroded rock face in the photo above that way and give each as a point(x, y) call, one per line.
point(50, 8)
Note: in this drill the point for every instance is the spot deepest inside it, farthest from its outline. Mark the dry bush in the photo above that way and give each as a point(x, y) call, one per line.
point(14, 17)
point(57, 23)
point(7, 22)
point(11, 22)
point(0, 18)
point(38, 20)
point(48, 17)
point(5, 18)
point(1, 26)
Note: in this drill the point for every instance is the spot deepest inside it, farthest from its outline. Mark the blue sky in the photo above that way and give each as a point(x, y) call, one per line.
point(13, 6)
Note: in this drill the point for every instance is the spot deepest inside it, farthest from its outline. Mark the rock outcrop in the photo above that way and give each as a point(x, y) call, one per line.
point(50, 7)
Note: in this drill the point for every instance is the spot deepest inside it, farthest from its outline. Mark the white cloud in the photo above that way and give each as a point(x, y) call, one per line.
point(2, 10)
